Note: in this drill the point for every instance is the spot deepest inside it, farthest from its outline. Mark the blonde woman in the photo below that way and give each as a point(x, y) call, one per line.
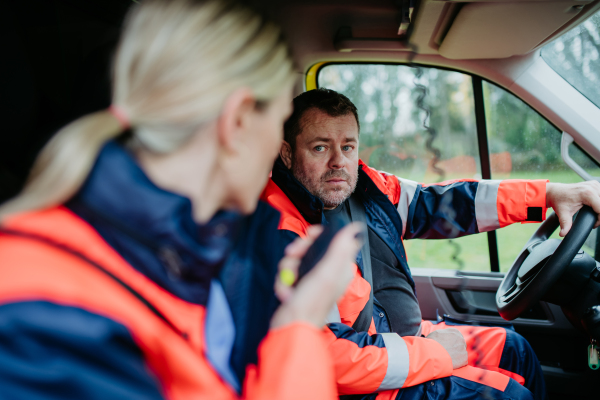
point(137, 262)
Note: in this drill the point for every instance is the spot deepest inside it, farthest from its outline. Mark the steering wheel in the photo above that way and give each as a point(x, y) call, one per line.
point(541, 263)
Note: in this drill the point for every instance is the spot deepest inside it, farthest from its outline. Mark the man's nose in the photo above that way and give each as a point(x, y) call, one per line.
point(337, 160)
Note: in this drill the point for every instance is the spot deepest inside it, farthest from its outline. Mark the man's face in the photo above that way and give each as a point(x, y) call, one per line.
point(326, 157)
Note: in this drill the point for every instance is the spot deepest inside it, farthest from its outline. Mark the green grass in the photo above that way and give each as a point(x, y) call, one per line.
point(474, 252)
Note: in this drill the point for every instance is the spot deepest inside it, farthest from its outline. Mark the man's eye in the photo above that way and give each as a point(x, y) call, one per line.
point(347, 148)
point(319, 148)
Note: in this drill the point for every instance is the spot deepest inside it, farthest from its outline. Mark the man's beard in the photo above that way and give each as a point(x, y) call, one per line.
point(315, 185)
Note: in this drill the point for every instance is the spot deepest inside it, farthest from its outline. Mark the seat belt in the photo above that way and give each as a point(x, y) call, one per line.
point(357, 214)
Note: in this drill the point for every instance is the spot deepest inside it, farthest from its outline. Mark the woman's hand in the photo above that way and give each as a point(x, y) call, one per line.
point(314, 296)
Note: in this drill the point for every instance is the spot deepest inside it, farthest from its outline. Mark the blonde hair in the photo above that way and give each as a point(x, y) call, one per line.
point(176, 64)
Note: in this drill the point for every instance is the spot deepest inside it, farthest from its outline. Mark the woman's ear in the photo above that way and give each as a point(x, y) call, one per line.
point(286, 154)
point(236, 117)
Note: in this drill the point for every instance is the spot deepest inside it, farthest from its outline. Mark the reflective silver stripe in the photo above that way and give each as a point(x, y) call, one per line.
point(407, 193)
point(486, 209)
point(333, 315)
point(398, 362)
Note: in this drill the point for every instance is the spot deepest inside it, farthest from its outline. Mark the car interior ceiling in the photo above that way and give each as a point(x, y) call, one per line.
point(57, 55)
point(57, 52)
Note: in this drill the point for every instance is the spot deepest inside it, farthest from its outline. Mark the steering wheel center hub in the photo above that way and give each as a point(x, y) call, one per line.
point(538, 255)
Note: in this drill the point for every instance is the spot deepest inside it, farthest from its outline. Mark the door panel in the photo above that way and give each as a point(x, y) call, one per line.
point(435, 289)
point(559, 346)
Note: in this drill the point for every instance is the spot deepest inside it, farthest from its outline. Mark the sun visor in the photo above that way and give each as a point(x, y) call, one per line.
point(504, 29)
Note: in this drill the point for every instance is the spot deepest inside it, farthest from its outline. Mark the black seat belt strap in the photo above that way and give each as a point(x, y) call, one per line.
point(357, 213)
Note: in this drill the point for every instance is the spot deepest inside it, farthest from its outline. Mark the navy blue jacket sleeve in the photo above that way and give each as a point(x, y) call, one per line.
point(286, 237)
point(442, 211)
point(464, 207)
point(50, 351)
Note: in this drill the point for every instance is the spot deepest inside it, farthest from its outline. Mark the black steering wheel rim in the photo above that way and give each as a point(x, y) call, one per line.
point(512, 299)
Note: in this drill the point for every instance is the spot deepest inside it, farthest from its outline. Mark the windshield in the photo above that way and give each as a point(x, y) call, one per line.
point(576, 57)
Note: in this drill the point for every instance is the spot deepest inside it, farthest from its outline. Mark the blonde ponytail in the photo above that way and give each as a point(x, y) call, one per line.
point(64, 163)
point(176, 64)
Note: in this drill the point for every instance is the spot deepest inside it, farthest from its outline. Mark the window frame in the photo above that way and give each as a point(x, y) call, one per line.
point(312, 82)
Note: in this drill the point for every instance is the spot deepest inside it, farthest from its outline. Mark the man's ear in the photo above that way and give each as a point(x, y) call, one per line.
point(286, 154)
point(235, 118)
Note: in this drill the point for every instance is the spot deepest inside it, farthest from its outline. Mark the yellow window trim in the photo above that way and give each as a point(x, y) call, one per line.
point(311, 76)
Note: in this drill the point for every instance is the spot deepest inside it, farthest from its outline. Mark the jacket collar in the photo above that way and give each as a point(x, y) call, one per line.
point(310, 206)
point(381, 213)
point(121, 194)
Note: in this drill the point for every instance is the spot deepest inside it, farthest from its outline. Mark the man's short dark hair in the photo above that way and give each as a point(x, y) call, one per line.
point(329, 101)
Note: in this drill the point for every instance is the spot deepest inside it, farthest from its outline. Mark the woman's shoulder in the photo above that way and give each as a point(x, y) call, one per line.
point(49, 350)
point(266, 213)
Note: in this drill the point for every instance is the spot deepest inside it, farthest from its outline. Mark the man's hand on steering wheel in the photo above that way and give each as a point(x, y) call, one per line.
point(567, 199)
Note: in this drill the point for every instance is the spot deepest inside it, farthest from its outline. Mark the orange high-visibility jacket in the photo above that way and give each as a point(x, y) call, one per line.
point(34, 267)
point(399, 209)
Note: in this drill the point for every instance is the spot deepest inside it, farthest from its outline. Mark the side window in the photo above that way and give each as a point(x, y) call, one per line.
point(394, 103)
point(523, 145)
point(575, 57)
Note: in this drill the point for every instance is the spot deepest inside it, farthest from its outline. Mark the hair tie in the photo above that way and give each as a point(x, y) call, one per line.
point(120, 115)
